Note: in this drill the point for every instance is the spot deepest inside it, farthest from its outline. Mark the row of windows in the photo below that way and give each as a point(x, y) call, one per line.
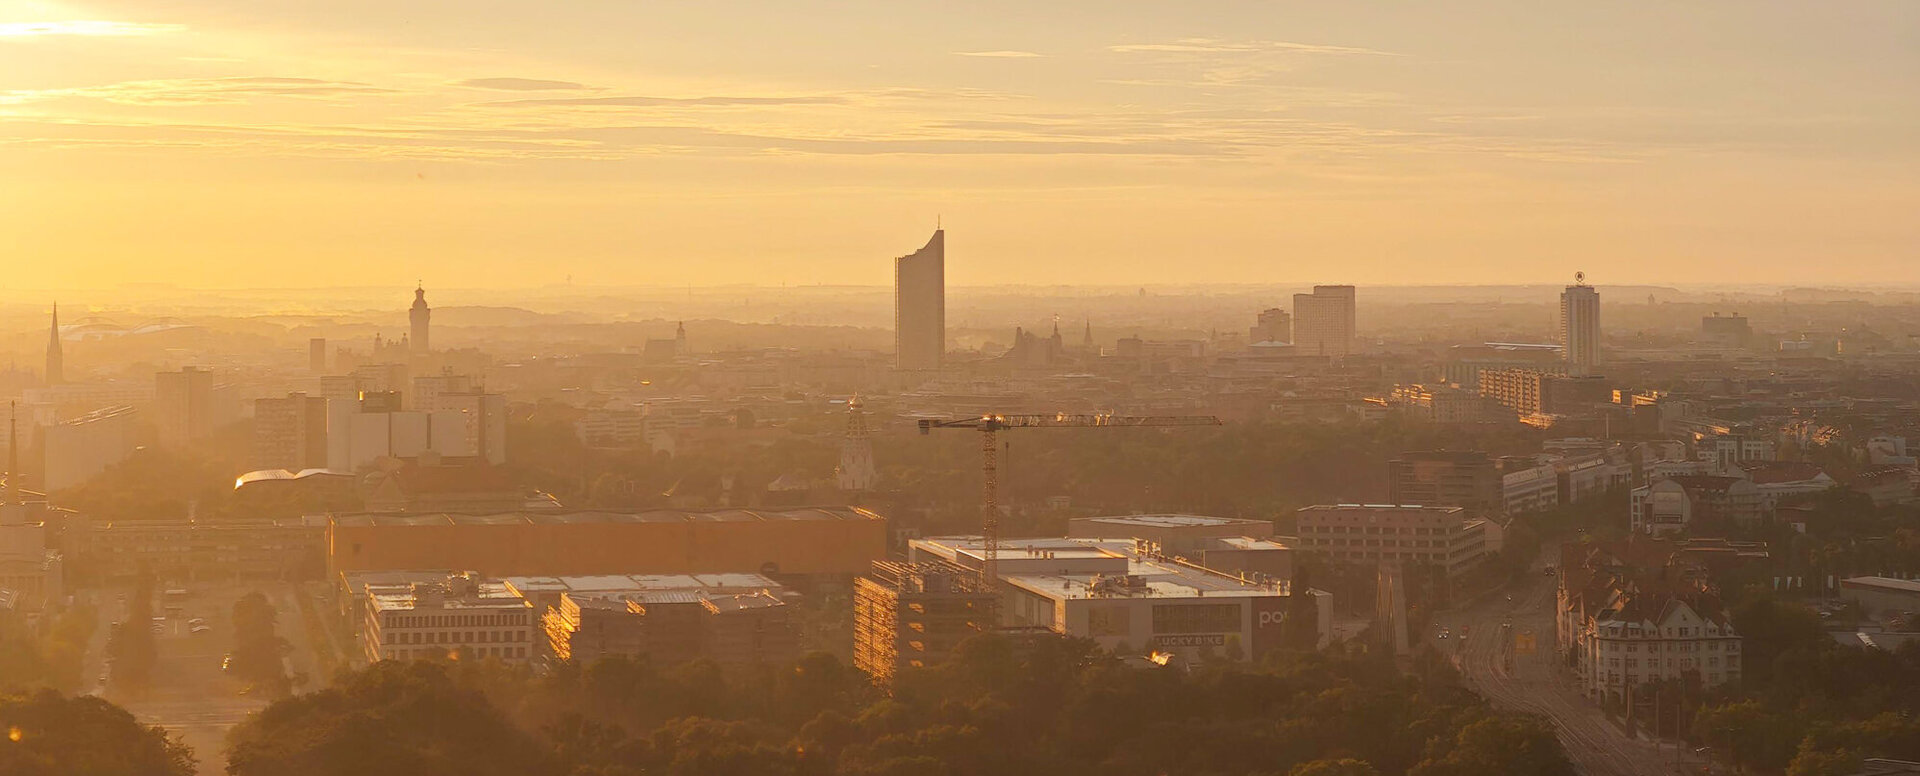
point(455, 620)
point(1713, 677)
point(1354, 529)
point(453, 637)
point(1712, 646)
point(1685, 662)
point(483, 652)
point(1377, 542)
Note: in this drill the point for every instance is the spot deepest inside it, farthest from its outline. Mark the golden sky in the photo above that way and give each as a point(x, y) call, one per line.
point(510, 142)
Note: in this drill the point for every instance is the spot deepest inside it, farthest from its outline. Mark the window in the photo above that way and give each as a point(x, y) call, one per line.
point(1196, 618)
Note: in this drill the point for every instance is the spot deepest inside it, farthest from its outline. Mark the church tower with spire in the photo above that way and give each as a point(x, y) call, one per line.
point(418, 316)
point(56, 359)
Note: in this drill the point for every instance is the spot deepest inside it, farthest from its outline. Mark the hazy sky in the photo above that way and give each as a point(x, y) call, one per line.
point(487, 142)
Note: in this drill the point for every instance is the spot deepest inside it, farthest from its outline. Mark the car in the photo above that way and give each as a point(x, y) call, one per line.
point(197, 621)
point(199, 629)
point(226, 663)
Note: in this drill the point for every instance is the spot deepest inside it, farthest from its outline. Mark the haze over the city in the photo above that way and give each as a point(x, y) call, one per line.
point(232, 143)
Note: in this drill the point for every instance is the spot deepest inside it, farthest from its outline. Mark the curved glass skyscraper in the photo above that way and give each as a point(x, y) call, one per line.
point(920, 306)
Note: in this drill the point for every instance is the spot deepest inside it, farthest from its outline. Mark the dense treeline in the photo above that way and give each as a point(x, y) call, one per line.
point(1051, 707)
point(131, 649)
point(51, 656)
point(1808, 705)
point(258, 650)
point(1247, 469)
point(51, 735)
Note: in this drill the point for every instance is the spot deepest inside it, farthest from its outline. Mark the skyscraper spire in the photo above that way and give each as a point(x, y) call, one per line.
point(56, 360)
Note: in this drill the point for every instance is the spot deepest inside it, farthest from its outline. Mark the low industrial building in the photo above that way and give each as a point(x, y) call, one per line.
point(1879, 595)
point(1227, 544)
point(801, 542)
point(195, 550)
point(1129, 598)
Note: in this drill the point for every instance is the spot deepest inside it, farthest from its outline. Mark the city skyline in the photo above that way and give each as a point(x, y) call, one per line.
point(1223, 142)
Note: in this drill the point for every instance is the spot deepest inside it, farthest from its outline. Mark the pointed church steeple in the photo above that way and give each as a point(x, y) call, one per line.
point(56, 359)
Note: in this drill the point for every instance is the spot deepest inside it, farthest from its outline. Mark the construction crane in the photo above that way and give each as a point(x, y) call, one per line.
point(990, 427)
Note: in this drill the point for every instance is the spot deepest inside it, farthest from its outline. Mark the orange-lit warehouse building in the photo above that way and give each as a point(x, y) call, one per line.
point(799, 541)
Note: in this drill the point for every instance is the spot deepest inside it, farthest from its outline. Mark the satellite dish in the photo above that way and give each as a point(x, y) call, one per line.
point(1579, 278)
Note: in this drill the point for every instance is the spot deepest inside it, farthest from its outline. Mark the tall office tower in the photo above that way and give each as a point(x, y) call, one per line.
point(290, 433)
point(1580, 326)
point(419, 315)
point(56, 359)
point(920, 306)
point(1273, 325)
point(183, 405)
point(317, 355)
point(1323, 321)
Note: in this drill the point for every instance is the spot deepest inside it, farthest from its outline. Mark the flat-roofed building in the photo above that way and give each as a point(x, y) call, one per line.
point(457, 615)
point(675, 619)
point(1445, 478)
point(1445, 537)
point(85, 446)
point(1529, 488)
point(1226, 544)
point(800, 541)
point(1882, 594)
point(192, 550)
point(1129, 598)
point(912, 615)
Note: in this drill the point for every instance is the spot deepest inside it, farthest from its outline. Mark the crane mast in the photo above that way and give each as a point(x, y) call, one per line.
point(991, 425)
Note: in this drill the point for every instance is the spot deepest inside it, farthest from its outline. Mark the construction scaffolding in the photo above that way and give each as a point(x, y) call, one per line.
point(914, 614)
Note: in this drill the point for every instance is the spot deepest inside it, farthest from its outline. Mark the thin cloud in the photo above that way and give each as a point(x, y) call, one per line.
point(999, 54)
point(650, 102)
point(89, 28)
point(204, 91)
point(521, 84)
point(1216, 46)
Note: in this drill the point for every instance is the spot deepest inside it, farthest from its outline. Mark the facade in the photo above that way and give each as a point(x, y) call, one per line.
point(1273, 325)
point(317, 355)
point(183, 405)
point(1131, 597)
point(1580, 328)
point(1671, 505)
point(1443, 478)
point(1530, 489)
point(186, 551)
point(290, 432)
point(737, 620)
point(460, 615)
point(1323, 321)
point(606, 427)
point(1629, 614)
point(1447, 405)
point(80, 448)
point(1444, 537)
point(462, 427)
point(1531, 393)
point(912, 615)
point(816, 541)
point(1730, 331)
point(1465, 362)
point(920, 306)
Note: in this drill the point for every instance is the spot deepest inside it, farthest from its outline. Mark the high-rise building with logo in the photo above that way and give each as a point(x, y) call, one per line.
point(1580, 326)
point(920, 306)
point(1323, 321)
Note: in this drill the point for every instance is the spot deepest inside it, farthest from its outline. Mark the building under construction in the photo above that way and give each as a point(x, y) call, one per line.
point(913, 614)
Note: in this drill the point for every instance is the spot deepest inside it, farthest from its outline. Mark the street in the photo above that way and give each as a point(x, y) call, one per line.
point(191, 696)
point(1520, 680)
